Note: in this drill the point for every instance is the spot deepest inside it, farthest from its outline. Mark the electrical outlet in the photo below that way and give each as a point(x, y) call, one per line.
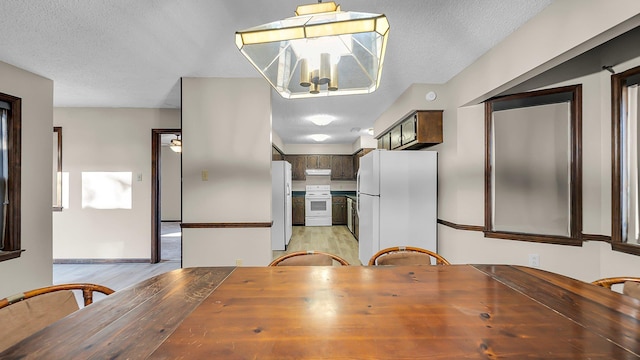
point(534, 260)
point(238, 262)
point(205, 175)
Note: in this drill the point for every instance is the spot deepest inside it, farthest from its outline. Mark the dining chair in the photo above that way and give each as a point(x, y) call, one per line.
point(631, 285)
point(406, 255)
point(26, 313)
point(308, 258)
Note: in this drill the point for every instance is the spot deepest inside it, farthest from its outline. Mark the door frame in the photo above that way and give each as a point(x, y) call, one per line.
point(156, 182)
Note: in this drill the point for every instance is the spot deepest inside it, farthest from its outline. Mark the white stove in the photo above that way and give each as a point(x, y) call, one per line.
point(317, 205)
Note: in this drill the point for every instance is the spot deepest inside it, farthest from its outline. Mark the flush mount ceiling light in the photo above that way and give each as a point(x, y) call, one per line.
point(322, 51)
point(319, 137)
point(322, 120)
point(176, 144)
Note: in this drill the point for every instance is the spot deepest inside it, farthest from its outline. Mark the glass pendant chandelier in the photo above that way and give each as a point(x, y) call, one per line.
point(322, 51)
point(176, 144)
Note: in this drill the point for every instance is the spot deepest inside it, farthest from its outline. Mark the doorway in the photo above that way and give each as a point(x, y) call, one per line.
point(160, 139)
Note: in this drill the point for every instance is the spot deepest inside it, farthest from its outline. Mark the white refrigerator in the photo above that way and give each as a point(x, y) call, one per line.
point(280, 204)
point(397, 200)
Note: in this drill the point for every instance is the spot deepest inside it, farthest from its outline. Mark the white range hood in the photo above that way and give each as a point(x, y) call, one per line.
point(318, 172)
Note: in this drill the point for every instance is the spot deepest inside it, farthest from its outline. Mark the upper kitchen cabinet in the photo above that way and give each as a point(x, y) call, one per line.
point(418, 129)
point(396, 137)
point(298, 166)
point(356, 159)
point(384, 141)
point(318, 161)
point(342, 167)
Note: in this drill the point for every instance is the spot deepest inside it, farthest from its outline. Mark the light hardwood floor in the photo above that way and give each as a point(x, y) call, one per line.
point(337, 240)
point(334, 239)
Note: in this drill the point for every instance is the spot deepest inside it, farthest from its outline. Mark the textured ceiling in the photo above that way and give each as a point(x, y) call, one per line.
point(117, 53)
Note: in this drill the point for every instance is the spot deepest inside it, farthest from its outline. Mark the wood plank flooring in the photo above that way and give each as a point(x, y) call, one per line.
point(333, 239)
point(337, 240)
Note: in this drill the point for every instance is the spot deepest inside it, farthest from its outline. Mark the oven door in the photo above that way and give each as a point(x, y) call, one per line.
point(318, 207)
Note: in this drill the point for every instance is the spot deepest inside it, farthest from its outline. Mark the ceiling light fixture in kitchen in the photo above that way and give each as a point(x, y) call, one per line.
point(322, 120)
point(321, 51)
point(176, 144)
point(319, 137)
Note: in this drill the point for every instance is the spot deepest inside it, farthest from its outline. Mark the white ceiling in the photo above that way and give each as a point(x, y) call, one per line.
point(117, 53)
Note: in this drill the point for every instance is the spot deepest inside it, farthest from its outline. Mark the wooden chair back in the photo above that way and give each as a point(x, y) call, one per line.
point(308, 258)
point(26, 313)
point(406, 255)
point(630, 287)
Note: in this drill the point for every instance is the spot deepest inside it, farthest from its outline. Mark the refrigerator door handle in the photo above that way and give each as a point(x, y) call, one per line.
point(288, 189)
point(358, 193)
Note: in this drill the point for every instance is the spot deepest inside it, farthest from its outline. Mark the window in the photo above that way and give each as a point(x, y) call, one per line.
point(57, 169)
point(10, 147)
point(533, 184)
point(625, 222)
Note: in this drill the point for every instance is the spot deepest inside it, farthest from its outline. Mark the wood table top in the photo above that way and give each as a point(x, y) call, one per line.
point(349, 312)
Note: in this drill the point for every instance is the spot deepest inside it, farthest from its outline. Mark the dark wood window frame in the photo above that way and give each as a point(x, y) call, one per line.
point(618, 95)
point(11, 244)
point(575, 190)
point(57, 130)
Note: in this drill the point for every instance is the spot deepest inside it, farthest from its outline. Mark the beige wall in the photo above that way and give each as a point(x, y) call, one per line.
point(561, 31)
point(232, 142)
point(330, 149)
point(363, 142)
point(107, 140)
point(171, 197)
point(33, 268)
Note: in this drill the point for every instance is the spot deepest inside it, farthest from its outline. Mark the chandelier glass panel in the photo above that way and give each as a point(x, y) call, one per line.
point(322, 51)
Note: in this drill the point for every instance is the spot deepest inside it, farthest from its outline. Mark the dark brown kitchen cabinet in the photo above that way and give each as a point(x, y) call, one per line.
point(384, 141)
point(339, 210)
point(396, 137)
point(342, 167)
point(356, 159)
point(297, 210)
point(324, 161)
point(418, 129)
point(318, 161)
point(298, 166)
point(356, 225)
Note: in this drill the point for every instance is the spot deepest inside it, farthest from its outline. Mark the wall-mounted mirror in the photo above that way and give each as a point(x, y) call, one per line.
point(625, 204)
point(57, 169)
point(533, 187)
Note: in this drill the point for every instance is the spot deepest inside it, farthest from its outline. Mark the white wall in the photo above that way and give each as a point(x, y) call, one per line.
point(171, 198)
point(107, 140)
point(33, 268)
point(363, 142)
point(277, 141)
point(327, 149)
point(560, 32)
point(226, 128)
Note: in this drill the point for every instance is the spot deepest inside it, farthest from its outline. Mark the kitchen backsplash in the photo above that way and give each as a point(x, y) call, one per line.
point(323, 180)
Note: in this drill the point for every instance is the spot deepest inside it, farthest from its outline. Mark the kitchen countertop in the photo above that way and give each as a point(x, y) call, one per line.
point(343, 193)
point(350, 194)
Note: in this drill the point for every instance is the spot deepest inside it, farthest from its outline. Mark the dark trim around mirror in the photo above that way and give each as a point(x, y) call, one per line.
point(572, 95)
point(619, 84)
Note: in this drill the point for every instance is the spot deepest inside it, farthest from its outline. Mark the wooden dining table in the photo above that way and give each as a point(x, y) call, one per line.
point(348, 312)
